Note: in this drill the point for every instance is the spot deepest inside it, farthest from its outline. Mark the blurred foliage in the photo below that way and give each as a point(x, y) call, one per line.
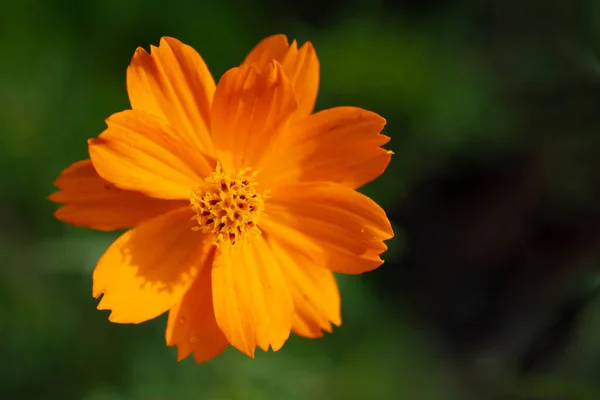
point(493, 191)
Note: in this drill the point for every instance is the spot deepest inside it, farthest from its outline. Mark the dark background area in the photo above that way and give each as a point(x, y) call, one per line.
point(490, 288)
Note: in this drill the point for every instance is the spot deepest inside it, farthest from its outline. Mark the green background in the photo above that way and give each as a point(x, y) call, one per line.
point(459, 82)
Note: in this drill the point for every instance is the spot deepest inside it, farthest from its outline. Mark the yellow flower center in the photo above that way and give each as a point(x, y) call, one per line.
point(228, 206)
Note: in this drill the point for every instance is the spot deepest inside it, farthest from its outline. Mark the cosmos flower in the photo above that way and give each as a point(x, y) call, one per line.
point(241, 202)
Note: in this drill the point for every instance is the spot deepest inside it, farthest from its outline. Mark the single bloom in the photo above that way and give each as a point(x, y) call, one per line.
point(241, 202)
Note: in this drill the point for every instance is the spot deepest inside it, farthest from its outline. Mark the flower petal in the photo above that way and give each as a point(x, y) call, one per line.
point(340, 145)
point(90, 201)
point(174, 83)
point(251, 109)
point(313, 288)
point(148, 269)
point(192, 326)
point(301, 66)
point(140, 152)
point(343, 229)
point(271, 48)
point(253, 305)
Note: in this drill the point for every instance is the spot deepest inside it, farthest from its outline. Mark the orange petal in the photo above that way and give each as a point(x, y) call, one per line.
point(250, 111)
point(342, 229)
point(92, 202)
point(140, 152)
point(174, 83)
point(253, 305)
point(271, 48)
point(192, 326)
point(313, 288)
point(301, 66)
point(148, 269)
point(340, 144)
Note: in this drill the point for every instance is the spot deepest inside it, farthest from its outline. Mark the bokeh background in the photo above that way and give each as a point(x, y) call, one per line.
point(489, 290)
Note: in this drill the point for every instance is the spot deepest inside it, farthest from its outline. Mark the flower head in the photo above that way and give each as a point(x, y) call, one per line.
point(240, 200)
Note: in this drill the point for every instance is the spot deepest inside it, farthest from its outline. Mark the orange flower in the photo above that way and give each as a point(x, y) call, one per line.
point(242, 201)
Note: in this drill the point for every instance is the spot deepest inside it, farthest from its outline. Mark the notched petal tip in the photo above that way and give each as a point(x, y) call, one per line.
point(249, 349)
point(372, 117)
point(140, 51)
point(388, 231)
point(113, 316)
point(115, 320)
point(272, 47)
point(250, 354)
point(169, 41)
point(276, 346)
point(278, 36)
point(53, 196)
point(172, 43)
point(96, 140)
point(140, 56)
point(309, 48)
